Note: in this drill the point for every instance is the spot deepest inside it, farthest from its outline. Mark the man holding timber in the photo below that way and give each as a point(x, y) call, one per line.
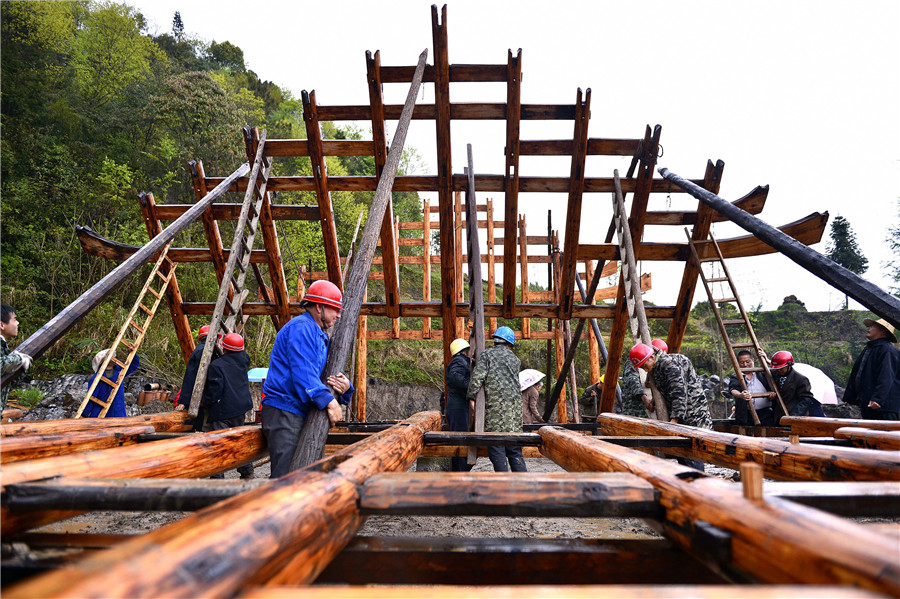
point(677, 381)
point(183, 399)
point(497, 371)
point(293, 385)
point(874, 383)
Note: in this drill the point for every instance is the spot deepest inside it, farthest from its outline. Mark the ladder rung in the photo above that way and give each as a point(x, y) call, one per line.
point(742, 345)
point(725, 300)
point(153, 291)
point(717, 280)
point(105, 404)
point(127, 344)
point(137, 326)
point(754, 369)
point(734, 321)
point(766, 394)
point(146, 309)
point(161, 275)
point(108, 381)
point(117, 362)
point(715, 259)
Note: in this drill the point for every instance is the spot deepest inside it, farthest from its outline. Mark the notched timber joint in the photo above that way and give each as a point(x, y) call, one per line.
point(329, 464)
point(712, 542)
point(691, 475)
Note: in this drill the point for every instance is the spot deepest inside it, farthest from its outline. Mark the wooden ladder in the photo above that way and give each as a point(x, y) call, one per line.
point(164, 269)
point(637, 318)
point(235, 269)
point(744, 321)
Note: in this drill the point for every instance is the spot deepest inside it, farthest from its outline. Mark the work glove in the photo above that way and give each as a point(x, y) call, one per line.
point(26, 360)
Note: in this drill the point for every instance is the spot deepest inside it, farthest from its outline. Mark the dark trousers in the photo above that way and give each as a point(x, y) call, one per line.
point(808, 407)
point(282, 432)
point(499, 454)
point(458, 420)
point(246, 471)
point(870, 414)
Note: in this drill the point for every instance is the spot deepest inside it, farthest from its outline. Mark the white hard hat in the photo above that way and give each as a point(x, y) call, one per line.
point(529, 377)
point(98, 359)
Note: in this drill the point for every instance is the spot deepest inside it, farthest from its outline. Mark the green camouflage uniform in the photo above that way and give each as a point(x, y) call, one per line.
point(680, 386)
point(498, 371)
point(632, 392)
point(9, 362)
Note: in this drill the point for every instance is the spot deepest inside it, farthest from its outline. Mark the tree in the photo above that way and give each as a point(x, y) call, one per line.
point(843, 249)
point(893, 266)
point(177, 27)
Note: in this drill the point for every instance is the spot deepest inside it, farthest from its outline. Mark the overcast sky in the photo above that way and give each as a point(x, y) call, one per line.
point(802, 96)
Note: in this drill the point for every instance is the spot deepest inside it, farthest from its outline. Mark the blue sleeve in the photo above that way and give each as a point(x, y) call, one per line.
point(347, 395)
point(135, 364)
point(306, 356)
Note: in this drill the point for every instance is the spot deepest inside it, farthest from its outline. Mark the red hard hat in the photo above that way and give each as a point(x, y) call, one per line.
point(233, 342)
point(782, 359)
point(324, 292)
point(660, 345)
point(639, 354)
point(204, 331)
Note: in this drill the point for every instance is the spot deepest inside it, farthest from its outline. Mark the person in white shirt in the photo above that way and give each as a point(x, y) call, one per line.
point(758, 390)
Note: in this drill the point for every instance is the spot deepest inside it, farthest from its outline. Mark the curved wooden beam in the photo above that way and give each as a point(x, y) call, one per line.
point(752, 203)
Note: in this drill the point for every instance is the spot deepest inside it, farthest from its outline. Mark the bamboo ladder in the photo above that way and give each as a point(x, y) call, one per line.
point(637, 318)
point(164, 268)
point(236, 268)
point(718, 259)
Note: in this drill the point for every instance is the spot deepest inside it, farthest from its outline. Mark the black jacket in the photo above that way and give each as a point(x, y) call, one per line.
point(876, 377)
point(741, 409)
point(190, 373)
point(792, 390)
point(459, 371)
point(227, 392)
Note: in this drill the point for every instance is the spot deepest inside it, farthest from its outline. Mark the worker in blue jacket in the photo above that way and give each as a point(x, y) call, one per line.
point(293, 385)
point(117, 408)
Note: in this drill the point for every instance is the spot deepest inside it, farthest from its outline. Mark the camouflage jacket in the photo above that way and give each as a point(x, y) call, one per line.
point(8, 363)
point(632, 392)
point(498, 371)
point(680, 386)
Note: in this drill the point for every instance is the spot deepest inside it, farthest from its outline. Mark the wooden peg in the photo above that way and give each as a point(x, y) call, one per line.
point(794, 439)
point(751, 480)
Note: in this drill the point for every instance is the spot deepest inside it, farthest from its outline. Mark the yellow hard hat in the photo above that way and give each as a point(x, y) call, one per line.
point(601, 378)
point(457, 345)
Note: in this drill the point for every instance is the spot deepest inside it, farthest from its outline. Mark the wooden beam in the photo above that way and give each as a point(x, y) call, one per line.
point(476, 295)
point(573, 210)
point(233, 211)
point(17, 449)
point(323, 194)
point(848, 499)
point(509, 494)
point(752, 203)
point(284, 532)
point(824, 427)
point(311, 444)
point(173, 293)
point(704, 219)
point(870, 438)
point(162, 423)
point(511, 179)
point(192, 456)
point(776, 541)
point(780, 459)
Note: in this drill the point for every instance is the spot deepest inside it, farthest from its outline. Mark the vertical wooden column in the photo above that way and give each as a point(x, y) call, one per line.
point(426, 264)
point(173, 294)
point(492, 277)
point(551, 286)
point(389, 237)
point(573, 211)
point(445, 178)
point(511, 180)
point(458, 229)
point(593, 344)
point(711, 181)
point(210, 226)
point(523, 268)
point(272, 248)
point(559, 340)
point(362, 353)
point(323, 196)
point(395, 321)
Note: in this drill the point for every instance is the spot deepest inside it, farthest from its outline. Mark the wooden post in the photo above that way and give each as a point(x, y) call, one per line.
point(523, 269)
point(492, 277)
point(362, 366)
point(511, 180)
point(752, 481)
point(457, 231)
point(593, 345)
point(426, 264)
point(476, 294)
point(315, 429)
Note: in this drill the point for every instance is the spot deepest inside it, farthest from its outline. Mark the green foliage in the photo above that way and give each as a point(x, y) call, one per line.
point(893, 266)
point(27, 398)
point(843, 249)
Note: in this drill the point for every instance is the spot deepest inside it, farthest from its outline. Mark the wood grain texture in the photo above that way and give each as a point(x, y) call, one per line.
point(776, 541)
point(807, 426)
point(19, 448)
point(163, 423)
point(870, 438)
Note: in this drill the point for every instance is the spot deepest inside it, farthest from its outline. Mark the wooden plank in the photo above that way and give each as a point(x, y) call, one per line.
point(509, 494)
point(232, 211)
point(579, 580)
point(330, 147)
point(481, 438)
point(848, 499)
point(573, 209)
point(17, 449)
point(142, 494)
point(192, 456)
point(870, 438)
point(284, 532)
point(511, 179)
point(824, 427)
point(780, 459)
point(311, 444)
point(751, 203)
point(164, 422)
point(775, 540)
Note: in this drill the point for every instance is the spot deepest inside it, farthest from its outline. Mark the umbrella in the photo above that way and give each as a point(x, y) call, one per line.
point(257, 375)
point(529, 377)
point(822, 386)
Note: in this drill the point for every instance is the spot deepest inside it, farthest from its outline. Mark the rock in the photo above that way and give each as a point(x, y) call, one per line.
point(396, 401)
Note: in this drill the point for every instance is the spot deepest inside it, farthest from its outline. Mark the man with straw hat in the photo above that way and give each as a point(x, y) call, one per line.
point(874, 383)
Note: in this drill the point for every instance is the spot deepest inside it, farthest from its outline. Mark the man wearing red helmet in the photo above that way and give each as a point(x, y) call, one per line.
point(794, 388)
point(293, 385)
point(183, 399)
point(226, 396)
